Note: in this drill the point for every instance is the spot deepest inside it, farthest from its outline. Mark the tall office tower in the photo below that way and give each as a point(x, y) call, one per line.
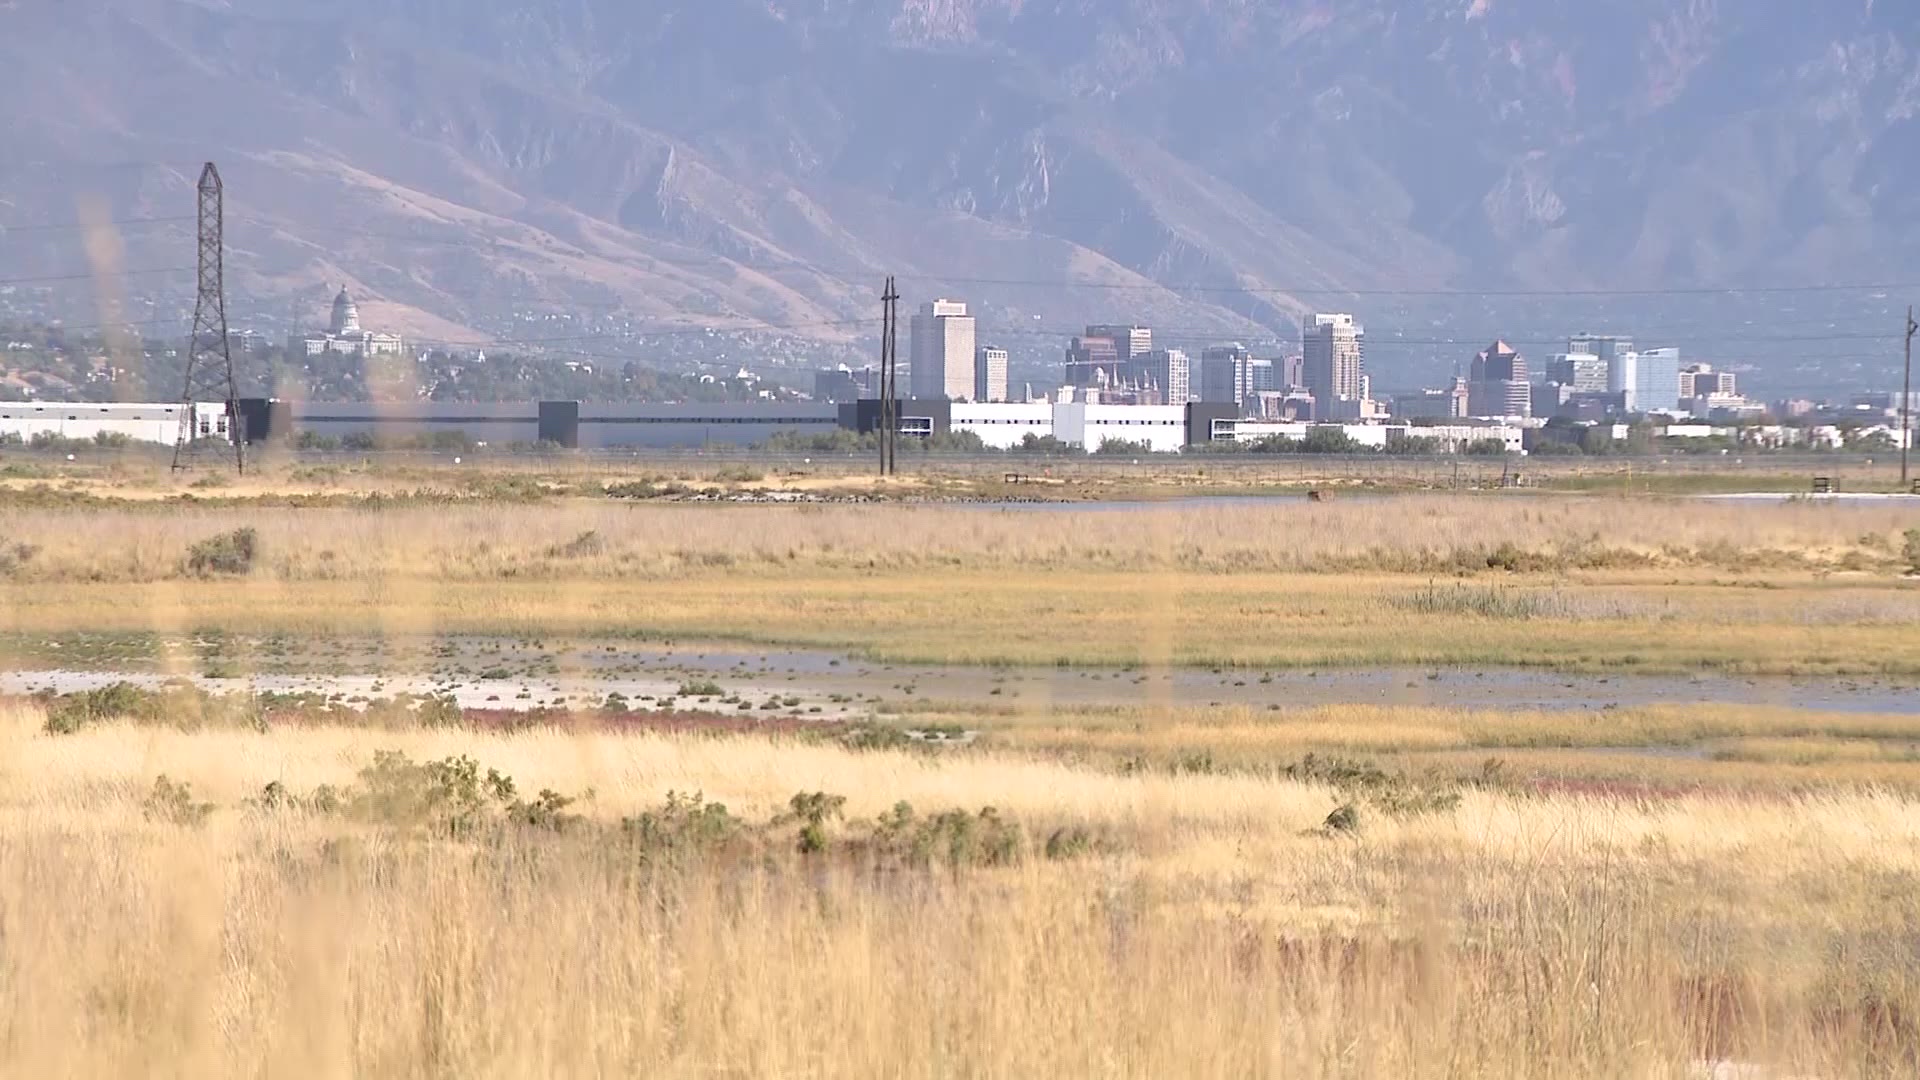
point(1132, 342)
point(1095, 360)
point(1262, 375)
point(1332, 357)
point(990, 374)
point(1618, 356)
point(1580, 373)
point(942, 352)
point(1657, 380)
point(1171, 373)
point(1226, 374)
point(1497, 383)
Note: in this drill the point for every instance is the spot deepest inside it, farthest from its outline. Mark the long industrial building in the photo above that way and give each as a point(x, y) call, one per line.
point(609, 426)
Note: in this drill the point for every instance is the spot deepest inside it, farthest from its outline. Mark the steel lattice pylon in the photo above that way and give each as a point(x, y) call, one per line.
point(209, 359)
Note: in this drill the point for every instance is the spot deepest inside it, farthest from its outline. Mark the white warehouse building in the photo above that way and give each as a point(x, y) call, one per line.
point(153, 422)
point(1163, 428)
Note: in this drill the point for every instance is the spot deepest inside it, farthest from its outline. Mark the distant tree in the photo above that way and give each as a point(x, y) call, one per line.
point(1124, 448)
point(1331, 440)
point(955, 442)
point(1414, 446)
point(1486, 448)
point(1870, 442)
point(1042, 444)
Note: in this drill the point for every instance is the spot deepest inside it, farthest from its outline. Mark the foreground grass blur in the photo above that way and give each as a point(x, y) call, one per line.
point(1209, 924)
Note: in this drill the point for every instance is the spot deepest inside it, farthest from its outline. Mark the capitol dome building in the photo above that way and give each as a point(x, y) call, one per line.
point(344, 335)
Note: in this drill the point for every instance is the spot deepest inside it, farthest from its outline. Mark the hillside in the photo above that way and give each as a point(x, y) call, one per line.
point(735, 164)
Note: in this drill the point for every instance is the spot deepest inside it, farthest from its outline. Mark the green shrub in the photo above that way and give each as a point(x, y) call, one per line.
point(876, 737)
point(448, 797)
point(547, 811)
point(958, 840)
point(686, 825)
point(1912, 550)
point(633, 489)
point(173, 804)
point(177, 704)
point(276, 798)
point(230, 553)
point(1491, 602)
point(814, 810)
point(704, 688)
point(1394, 794)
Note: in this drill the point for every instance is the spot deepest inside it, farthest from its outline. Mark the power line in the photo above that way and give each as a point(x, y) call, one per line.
point(96, 274)
point(689, 331)
point(10, 230)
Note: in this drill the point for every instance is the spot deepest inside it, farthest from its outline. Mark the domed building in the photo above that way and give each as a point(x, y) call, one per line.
point(344, 335)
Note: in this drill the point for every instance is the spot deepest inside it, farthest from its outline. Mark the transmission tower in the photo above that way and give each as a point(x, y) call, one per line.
point(209, 358)
point(889, 420)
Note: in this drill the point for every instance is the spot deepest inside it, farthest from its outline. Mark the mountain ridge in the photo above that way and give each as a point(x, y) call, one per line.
point(766, 163)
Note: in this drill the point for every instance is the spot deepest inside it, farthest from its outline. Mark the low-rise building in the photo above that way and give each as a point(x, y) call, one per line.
point(153, 422)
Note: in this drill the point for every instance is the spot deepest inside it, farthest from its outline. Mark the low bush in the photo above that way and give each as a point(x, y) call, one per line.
point(447, 797)
point(954, 838)
point(176, 704)
point(1912, 551)
point(172, 803)
point(15, 555)
point(1490, 602)
point(685, 827)
point(813, 810)
point(1394, 794)
point(230, 553)
point(586, 544)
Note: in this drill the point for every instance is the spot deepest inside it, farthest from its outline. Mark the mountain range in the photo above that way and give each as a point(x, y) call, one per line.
point(1213, 166)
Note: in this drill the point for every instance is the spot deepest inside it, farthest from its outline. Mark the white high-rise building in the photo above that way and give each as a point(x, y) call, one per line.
point(942, 352)
point(990, 374)
point(1332, 357)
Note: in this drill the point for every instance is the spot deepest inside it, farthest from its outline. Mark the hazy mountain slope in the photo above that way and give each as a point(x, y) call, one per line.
point(736, 162)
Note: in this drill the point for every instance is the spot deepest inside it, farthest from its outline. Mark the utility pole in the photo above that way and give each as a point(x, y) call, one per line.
point(209, 356)
point(1906, 405)
point(890, 379)
point(886, 357)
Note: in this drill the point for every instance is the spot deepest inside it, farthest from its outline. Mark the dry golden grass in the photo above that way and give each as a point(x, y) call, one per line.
point(1582, 583)
point(1514, 936)
point(1667, 746)
point(1418, 534)
point(1082, 617)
